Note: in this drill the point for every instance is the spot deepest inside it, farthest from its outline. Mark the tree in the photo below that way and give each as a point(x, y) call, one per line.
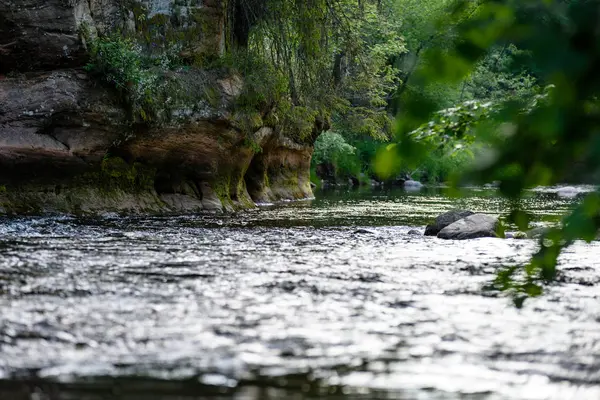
point(330, 58)
point(422, 27)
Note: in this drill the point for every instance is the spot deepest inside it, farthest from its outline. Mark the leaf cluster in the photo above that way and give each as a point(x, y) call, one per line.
point(545, 140)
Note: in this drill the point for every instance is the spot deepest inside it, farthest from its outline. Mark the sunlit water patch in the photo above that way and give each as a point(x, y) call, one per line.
point(291, 302)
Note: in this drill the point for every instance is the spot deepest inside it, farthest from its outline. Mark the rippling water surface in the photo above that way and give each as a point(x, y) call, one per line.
point(293, 302)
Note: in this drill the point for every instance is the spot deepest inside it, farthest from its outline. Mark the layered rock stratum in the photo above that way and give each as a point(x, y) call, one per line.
point(68, 142)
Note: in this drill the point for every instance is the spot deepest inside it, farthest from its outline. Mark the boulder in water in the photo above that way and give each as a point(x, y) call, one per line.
point(411, 185)
point(492, 185)
point(471, 227)
point(446, 219)
point(414, 232)
point(567, 192)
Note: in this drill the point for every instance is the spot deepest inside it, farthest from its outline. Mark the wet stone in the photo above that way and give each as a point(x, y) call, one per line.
point(471, 227)
point(445, 219)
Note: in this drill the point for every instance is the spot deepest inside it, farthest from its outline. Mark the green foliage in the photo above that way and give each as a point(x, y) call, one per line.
point(332, 64)
point(366, 151)
point(455, 125)
point(541, 141)
point(308, 61)
point(332, 149)
point(433, 30)
point(440, 166)
point(349, 155)
point(154, 87)
point(118, 60)
point(440, 149)
point(250, 142)
point(265, 99)
point(420, 21)
point(417, 96)
point(502, 74)
point(264, 85)
point(331, 146)
point(120, 63)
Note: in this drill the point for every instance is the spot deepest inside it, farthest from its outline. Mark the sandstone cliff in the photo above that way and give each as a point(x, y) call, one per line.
point(69, 142)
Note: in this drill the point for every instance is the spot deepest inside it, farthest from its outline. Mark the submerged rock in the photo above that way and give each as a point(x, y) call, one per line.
point(492, 185)
point(362, 231)
point(515, 235)
point(446, 219)
point(471, 227)
point(538, 232)
point(567, 192)
point(414, 232)
point(411, 185)
point(399, 180)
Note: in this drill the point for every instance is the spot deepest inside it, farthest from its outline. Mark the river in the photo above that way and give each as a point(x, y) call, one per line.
point(291, 302)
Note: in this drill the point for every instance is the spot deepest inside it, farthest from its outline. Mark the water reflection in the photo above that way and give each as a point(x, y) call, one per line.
point(290, 302)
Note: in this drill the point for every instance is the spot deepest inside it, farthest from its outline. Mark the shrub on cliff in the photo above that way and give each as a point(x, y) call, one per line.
point(155, 88)
point(119, 62)
point(303, 63)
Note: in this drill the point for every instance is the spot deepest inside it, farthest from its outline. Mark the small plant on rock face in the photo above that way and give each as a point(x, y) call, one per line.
point(140, 78)
point(117, 60)
point(249, 141)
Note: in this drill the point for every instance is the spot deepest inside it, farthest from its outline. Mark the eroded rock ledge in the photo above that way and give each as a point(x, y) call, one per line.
point(68, 144)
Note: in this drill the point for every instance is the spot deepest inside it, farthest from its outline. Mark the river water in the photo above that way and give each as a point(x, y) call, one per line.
point(291, 302)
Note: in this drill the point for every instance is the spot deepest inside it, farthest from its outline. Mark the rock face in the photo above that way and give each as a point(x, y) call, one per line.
point(68, 144)
point(54, 121)
point(446, 219)
point(47, 34)
point(471, 227)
